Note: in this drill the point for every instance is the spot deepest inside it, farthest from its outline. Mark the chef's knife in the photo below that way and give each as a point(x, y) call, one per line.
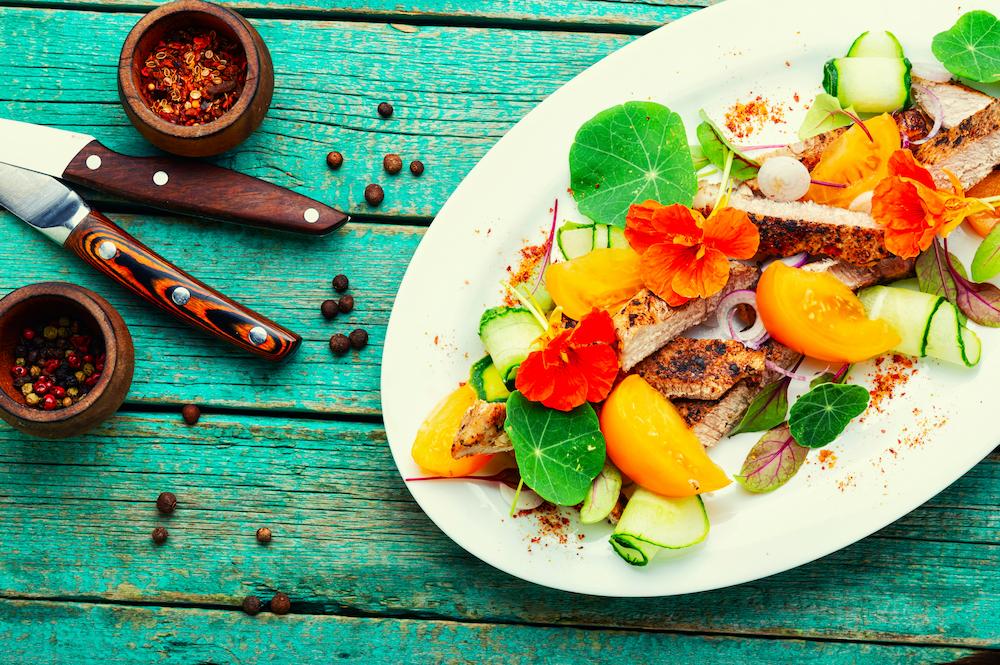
point(61, 215)
point(171, 184)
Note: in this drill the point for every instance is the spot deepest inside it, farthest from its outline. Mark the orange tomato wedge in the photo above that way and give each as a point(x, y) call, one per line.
point(650, 442)
point(432, 447)
point(983, 222)
point(602, 279)
point(856, 161)
point(816, 314)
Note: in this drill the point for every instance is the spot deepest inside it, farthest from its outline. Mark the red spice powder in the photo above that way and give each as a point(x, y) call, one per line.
point(552, 525)
point(531, 260)
point(744, 118)
point(827, 458)
point(891, 373)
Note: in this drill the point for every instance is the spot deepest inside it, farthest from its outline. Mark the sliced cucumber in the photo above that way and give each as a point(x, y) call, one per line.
point(651, 522)
point(601, 235)
point(485, 380)
point(507, 334)
point(948, 340)
point(881, 44)
point(909, 312)
point(575, 241)
point(616, 238)
point(603, 495)
point(870, 85)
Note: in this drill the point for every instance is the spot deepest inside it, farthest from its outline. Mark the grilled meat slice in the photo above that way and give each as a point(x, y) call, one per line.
point(700, 368)
point(646, 322)
point(858, 277)
point(968, 144)
point(481, 430)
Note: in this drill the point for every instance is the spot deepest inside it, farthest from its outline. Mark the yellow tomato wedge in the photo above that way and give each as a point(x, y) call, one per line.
point(602, 279)
point(650, 442)
point(856, 161)
point(816, 314)
point(983, 222)
point(432, 447)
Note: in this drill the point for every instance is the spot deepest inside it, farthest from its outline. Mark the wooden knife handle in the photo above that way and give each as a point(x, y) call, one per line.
point(200, 189)
point(102, 244)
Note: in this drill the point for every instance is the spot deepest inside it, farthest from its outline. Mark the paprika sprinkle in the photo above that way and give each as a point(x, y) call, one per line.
point(193, 76)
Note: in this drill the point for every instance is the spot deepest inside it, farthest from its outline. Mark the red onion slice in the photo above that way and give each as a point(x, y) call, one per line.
point(784, 372)
point(936, 107)
point(931, 71)
point(727, 312)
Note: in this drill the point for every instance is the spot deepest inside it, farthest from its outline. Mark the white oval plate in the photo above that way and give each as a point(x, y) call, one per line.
point(886, 466)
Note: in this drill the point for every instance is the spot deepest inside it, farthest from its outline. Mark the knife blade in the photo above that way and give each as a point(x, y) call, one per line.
point(176, 185)
point(60, 214)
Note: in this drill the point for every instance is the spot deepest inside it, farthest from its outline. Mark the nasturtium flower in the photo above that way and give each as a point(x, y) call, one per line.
point(575, 366)
point(685, 255)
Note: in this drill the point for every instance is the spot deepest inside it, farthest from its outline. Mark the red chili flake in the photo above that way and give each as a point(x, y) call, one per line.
point(744, 118)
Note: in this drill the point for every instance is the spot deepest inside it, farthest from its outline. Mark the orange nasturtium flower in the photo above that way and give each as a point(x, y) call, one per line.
point(685, 255)
point(578, 365)
point(912, 210)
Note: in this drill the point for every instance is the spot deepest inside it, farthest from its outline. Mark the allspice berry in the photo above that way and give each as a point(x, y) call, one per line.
point(334, 160)
point(340, 283)
point(166, 502)
point(191, 414)
point(340, 344)
point(417, 167)
point(385, 109)
point(329, 309)
point(358, 339)
point(374, 195)
point(281, 603)
point(392, 163)
point(252, 605)
point(263, 535)
point(160, 535)
point(345, 304)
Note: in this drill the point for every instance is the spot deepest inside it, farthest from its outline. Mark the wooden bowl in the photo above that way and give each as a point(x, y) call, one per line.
point(53, 299)
point(236, 124)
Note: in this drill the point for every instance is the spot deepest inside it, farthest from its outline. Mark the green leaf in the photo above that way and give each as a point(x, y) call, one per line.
point(768, 408)
point(824, 115)
point(628, 154)
point(830, 377)
point(558, 453)
point(714, 148)
point(971, 48)
point(819, 416)
point(986, 263)
point(940, 273)
point(772, 461)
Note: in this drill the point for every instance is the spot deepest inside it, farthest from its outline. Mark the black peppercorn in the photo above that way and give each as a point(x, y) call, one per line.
point(329, 309)
point(252, 605)
point(160, 535)
point(345, 304)
point(340, 283)
point(374, 195)
point(334, 160)
point(359, 339)
point(385, 109)
point(166, 502)
point(191, 414)
point(281, 603)
point(392, 163)
point(340, 344)
point(263, 535)
point(417, 167)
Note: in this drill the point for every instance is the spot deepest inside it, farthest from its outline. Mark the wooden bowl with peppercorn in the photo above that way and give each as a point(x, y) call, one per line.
point(66, 358)
point(195, 78)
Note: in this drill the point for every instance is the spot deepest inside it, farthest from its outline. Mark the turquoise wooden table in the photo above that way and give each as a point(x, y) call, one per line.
point(300, 448)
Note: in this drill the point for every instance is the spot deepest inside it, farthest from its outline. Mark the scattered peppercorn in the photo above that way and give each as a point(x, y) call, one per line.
point(417, 167)
point(385, 109)
point(359, 339)
point(191, 414)
point(160, 535)
point(252, 605)
point(374, 195)
point(166, 502)
point(329, 309)
point(49, 367)
point(392, 163)
point(340, 283)
point(340, 344)
point(334, 160)
point(345, 304)
point(281, 603)
point(263, 535)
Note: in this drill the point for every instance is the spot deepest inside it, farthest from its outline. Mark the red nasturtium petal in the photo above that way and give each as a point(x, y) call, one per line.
point(898, 207)
point(595, 328)
point(639, 231)
point(731, 232)
point(534, 379)
point(679, 224)
point(660, 264)
point(599, 363)
point(569, 389)
point(705, 277)
point(903, 164)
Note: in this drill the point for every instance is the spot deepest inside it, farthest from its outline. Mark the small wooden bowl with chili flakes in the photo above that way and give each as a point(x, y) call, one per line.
point(195, 78)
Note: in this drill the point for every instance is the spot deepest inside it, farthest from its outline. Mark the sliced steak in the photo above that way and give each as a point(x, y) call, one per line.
point(646, 322)
point(481, 430)
point(858, 277)
point(700, 368)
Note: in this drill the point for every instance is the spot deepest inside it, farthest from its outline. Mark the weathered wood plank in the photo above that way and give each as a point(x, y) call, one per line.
point(632, 15)
point(348, 538)
point(284, 277)
point(60, 632)
point(456, 91)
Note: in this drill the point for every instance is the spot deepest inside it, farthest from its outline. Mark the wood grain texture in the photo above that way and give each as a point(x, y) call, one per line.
point(456, 91)
point(349, 539)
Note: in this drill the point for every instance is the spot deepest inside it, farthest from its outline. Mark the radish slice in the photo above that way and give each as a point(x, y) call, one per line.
point(930, 71)
point(783, 179)
point(526, 500)
point(935, 103)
